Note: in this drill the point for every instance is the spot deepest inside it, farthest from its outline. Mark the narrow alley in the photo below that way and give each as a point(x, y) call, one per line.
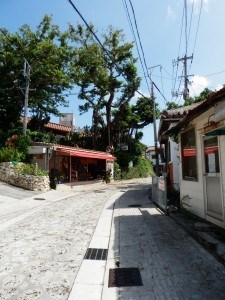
point(44, 239)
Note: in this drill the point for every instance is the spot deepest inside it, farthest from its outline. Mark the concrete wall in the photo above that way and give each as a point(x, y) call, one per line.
point(174, 150)
point(28, 182)
point(193, 192)
point(195, 189)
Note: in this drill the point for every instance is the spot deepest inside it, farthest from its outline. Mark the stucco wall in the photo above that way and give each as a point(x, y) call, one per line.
point(28, 182)
point(174, 152)
point(195, 189)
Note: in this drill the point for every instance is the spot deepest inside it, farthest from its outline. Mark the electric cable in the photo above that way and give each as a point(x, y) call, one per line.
point(138, 34)
point(189, 32)
point(96, 37)
point(199, 17)
point(135, 40)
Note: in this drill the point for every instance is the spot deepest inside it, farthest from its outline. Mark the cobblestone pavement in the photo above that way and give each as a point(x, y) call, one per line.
point(42, 251)
point(41, 254)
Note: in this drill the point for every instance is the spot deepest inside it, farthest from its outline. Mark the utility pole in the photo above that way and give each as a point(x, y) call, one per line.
point(155, 131)
point(186, 80)
point(184, 60)
point(154, 122)
point(26, 73)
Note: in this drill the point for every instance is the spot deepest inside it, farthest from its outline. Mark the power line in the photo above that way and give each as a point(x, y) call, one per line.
point(192, 9)
point(199, 17)
point(135, 40)
point(139, 38)
point(96, 37)
point(159, 91)
point(214, 74)
point(196, 35)
point(162, 94)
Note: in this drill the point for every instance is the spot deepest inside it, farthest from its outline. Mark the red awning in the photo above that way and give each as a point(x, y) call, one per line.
point(85, 153)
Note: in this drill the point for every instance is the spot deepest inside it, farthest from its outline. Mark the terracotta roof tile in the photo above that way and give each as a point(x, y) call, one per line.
point(58, 127)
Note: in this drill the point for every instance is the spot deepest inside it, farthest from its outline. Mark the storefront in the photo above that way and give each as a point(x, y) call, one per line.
point(70, 164)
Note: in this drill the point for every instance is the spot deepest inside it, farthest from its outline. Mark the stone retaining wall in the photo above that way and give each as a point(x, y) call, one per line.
point(28, 182)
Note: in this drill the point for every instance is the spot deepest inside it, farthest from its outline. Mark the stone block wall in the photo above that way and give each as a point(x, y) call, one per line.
point(28, 182)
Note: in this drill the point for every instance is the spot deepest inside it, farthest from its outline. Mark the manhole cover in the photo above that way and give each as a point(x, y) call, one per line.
point(124, 277)
point(135, 205)
point(39, 199)
point(96, 254)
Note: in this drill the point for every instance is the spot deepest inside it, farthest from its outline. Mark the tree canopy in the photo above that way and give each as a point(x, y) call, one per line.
point(49, 53)
point(107, 77)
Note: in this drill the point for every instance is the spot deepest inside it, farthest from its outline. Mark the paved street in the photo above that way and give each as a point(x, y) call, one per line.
point(44, 237)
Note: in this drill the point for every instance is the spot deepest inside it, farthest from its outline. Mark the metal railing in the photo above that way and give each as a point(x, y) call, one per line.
point(159, 192)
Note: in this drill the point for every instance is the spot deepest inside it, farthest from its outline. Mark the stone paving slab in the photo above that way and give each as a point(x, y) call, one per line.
point(172, 264)
point(40, 255)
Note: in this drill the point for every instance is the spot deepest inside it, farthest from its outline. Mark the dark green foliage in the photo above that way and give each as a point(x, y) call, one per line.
point(202, 96)
point(38, 136)
point(141, 169)
point(29, 169)
point(16, 148)
point(171, 105)
point(107, 79)
point(81, 138)
point(8, 154)
point(48, 52)
point(135, 150)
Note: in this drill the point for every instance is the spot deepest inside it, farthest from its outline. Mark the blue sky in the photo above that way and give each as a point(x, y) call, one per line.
point(159, 24)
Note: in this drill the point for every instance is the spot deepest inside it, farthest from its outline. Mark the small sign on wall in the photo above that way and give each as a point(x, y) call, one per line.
point(161, 184)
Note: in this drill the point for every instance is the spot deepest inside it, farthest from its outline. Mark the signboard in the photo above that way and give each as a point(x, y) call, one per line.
point(161, 184)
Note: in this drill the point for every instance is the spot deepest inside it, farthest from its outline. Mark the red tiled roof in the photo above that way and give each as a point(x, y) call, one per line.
point(54, 126)
point(58, 127)
point(200, 109)
point(179, 112)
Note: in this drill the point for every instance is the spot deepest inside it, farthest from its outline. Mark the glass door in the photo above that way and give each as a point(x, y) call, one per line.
point(213, 195)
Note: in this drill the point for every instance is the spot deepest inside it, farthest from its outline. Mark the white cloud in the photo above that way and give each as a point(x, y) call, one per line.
point(205, 5)
point(170, 13)
point(199, 83)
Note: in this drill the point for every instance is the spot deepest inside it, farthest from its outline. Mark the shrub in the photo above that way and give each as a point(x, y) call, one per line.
point(141, 169)
point(8, 154)
point(30, 169)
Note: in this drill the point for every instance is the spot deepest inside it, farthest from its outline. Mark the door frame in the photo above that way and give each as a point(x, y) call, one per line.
point(211, 216)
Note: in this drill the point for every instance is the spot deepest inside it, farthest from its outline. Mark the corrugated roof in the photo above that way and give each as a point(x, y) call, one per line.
point(76, 151)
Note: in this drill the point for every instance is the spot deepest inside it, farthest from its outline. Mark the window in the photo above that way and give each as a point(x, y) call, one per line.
point(153, 156)
point(189, 160)
point(211, 155)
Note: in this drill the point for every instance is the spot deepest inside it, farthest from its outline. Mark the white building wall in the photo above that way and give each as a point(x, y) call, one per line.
point(149, 155)
point(174, 150)
point(222, 165)
point(194, 190)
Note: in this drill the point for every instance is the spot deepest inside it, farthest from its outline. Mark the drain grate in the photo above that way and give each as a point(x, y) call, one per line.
point(96, 254)
point(39, 198)
point(124, 277)
point(135, 205)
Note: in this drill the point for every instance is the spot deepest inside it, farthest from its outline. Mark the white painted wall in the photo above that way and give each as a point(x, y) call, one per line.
point(174, 150)
point(195, 189)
